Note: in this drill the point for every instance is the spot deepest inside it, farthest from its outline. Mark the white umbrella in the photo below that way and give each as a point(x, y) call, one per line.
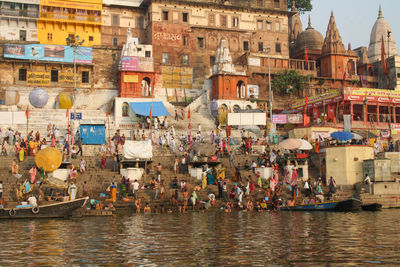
point(290, 143)
point(305, 145)
point(357, 136)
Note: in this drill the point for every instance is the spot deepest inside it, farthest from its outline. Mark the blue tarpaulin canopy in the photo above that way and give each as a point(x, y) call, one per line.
point(342, 136)
point(143, 108)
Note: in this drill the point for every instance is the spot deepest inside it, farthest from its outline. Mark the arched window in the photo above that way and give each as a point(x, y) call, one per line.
point(248, 107)
point(351, 67)
point(125, 109)
point(241, 89)
point(370, 71)
point(146, 88)
point(236, 108)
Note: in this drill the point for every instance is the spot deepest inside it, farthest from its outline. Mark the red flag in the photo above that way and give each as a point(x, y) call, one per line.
point(188, 113)
point(383, 58)
point(151, 112)
point(27, 112)
point(306, 55)
point(66, 114)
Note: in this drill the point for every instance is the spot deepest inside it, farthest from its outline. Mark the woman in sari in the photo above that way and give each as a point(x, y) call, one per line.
point(21, 155)
point(259, 181)
point(203, 180)
point(113, 192)
point(73, 190)
point(32, 174)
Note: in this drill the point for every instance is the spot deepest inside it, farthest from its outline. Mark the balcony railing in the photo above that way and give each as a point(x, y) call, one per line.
point(70, 17)
point(19, 13)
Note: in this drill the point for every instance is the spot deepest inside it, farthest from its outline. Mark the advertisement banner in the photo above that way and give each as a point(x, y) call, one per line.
point(38, 78)
point(131, 78)
point(57, 53)
point(66, 78)
point(316, 99)
point(374, 95)
point(279, 119)
point(295, 118)
point(137, 64)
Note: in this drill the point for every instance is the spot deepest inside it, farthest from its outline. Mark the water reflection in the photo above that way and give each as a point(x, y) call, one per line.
point(210, 239)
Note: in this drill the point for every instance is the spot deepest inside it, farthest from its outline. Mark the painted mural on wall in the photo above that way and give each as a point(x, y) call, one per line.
point(177, 77)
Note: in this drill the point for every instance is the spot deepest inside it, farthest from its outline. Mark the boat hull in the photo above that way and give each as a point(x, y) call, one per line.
point(371, 207)
point(344, 205)
point(56, 210)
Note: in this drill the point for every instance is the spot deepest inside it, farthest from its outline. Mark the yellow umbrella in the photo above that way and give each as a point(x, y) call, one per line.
point(65, 100)
point(49, 158)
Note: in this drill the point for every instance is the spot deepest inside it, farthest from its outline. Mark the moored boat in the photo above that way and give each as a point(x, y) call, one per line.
point(351, 204)
point(54, 210)
point(371, 207)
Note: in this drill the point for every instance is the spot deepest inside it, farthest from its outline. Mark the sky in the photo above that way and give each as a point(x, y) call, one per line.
point(354, 18)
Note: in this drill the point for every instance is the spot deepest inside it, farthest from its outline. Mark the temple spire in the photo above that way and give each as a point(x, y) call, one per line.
point(380, 14)
point(294, 5)
point(333, 42)
point(309, 23)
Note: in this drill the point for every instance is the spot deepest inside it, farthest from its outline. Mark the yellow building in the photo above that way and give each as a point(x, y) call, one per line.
point(61, 19)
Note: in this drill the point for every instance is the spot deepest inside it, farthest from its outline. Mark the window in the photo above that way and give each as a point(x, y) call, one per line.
point(246, 45)
point(200, 42)
point(50, 37)
point(22, 75)
point(222, 20)
point(165, 58)
point(277, 3)
point(260, 3)
point(235, 22)
point(260, 46)
point(115, 20)
point(91, 38)
point(12, 6)
point(22, 35)
point(259, 24)
point(85, 77)
point(185, 17)
point(115, 41)
point(211, 20)
point(277, 26)
point(54, 76)
point(185, 40)
point(269, 27)
point(185, 60)
point(277, 47)
point(147, 53)
point(165, 15)
point(212, 60)
point(139, 22)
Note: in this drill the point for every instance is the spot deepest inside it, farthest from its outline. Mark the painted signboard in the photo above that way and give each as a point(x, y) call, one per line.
point(374, 95)
point(317, 100)
point(131, 78)
point(145, 64)
point(279, 119)
point(295, 118)
point(58, 53)
point(67, 78)
point(38, 78)
point(92, 5)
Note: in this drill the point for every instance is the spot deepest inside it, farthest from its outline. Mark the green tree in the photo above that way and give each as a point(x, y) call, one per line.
point(302, 5)
point(288, 82)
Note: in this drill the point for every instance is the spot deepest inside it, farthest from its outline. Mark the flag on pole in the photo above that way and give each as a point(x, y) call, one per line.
point(66, 114)
point(383, 58)
point(151, 112)
point(27, 112)
point(188, 112)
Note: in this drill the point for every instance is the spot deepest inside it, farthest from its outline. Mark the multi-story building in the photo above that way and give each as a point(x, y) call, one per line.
point(59, 20)
point(19, 20)
point(117, 17)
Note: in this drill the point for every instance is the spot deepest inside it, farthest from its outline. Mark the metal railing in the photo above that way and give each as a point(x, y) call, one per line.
point(19, 12)
point(70, 17)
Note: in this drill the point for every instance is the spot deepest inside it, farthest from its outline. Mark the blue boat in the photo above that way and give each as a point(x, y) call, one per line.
point(351, 204)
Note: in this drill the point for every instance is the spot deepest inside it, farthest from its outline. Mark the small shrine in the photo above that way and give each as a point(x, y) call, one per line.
point(136, 69)
point(227, 83)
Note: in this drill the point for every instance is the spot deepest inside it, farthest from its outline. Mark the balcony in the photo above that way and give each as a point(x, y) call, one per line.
point(70, 17)
point(19, 13)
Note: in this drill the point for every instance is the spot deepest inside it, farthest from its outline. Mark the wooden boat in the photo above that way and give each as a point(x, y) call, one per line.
point(351, 204)
point(54, 210)
point(372, 207)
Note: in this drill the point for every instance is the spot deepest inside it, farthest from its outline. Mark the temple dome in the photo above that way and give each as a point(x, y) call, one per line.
point(380, 28)
point(310, 39)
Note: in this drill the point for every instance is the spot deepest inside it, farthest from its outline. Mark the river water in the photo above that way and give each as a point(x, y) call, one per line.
point(205, 239)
